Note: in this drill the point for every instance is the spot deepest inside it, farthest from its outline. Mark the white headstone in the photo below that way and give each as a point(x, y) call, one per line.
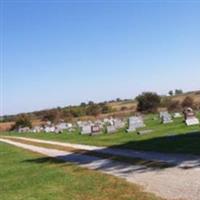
point(86, 130)
point(177, 115)
point(136, 122)
point(49, 129)
point(143, 132)
point(111, 129)
point(118, 123)
point(166, 118)
point(190, 118)
point(163, 114)
point(95, 128)
point(192, 121)
point(24, 129)
point(37, 129)
point(61, 126)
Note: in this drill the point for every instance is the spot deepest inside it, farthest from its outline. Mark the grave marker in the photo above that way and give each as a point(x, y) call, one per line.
point(190, 118)
point(86, 130)
point(111, 129)
point(166, 118)
point(134, 123)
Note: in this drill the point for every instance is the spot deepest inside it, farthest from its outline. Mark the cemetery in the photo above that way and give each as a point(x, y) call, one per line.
point(132, 124)
point(130, 132)
point(112, 125)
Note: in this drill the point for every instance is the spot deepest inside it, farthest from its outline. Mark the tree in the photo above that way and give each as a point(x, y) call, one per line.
point(78, 111)
point(52, 116)
point(118, 99)
point(83, 104)
point(22, 121)
point(93, 110)
point(67, 115)
point(90, 103)
point(188, 102)
point(148, 102)
point(178, 91)
point(171, 93)
point(106, 109)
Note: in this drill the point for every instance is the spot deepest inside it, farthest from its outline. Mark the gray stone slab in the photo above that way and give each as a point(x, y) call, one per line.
point(192, 121)
point(111, 129)
point(144, 132)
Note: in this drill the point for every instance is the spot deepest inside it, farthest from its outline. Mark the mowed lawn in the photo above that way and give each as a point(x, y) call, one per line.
point(28, 176)
point(173, 138)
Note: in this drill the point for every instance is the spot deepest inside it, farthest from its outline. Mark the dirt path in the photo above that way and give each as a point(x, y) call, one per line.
point(170, 183)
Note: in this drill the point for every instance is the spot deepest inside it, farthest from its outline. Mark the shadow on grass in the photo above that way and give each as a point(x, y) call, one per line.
point(117, 159)
point(188, 143)
point(97, 163)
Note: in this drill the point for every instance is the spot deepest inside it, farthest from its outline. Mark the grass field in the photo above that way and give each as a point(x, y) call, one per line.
point(173, 138)
point(29, 176)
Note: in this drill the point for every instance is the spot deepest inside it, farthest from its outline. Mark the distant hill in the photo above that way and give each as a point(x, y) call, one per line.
point(195, 95)
point(132, 105)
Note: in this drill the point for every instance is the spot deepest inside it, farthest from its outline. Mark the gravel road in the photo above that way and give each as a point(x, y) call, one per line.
point(180, 160)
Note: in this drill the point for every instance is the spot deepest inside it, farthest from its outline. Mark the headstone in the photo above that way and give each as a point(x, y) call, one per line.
point(192, 121)
point(69, 125)
point(37, 129)
point(48, 123)
point(163, 114)
point(95, 129)
point(24, 129)
point(143, 132)
point(166, 118)
point(111, 129)
point(108, 121)
point(49, 129)
point(86, 130)
point(46, 129)
point(61, 126)
point(134, 123)
point(57, 130)
point(190, 118)
point(118, 123)
point(177, 115)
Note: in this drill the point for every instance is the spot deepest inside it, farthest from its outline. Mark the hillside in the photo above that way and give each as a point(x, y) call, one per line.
point(132, 105)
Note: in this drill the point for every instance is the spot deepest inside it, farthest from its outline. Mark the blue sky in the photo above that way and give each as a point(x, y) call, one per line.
point(56, 53)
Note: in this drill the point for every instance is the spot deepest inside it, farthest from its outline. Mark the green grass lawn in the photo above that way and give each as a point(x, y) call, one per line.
point(28, 176)
point(187, 139)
